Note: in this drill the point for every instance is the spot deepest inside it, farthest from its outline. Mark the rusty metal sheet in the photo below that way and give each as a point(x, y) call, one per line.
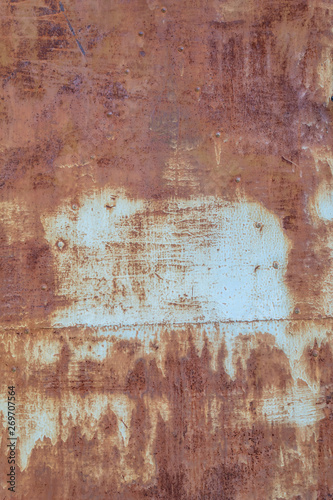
point(166, 200)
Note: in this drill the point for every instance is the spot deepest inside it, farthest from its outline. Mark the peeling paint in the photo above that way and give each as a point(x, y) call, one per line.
point(179, 261)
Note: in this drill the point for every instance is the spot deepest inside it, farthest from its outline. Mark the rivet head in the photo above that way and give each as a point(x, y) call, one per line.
point(296, 311)
point(197, 89)
point(180, 49)
point(315, 353)
point(238, 179)
point(275, 265)
point(218, 134)
point(13, 369)
point(43, 287)
point(26, 330)
point(140, 33)
point(60, 244)
point(127, 71)
point(332, 98)
point(163, 9)
point(258, 225)
point(74, 206)
point(109, 113)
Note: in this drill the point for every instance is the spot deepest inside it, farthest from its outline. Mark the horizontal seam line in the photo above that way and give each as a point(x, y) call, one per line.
point(169, 324)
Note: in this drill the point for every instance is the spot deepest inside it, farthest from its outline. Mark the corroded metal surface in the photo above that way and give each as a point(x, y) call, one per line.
point(166, 240)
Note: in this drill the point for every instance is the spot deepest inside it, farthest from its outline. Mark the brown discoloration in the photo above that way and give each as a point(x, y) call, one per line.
point(259, 86)
point(224, 99)
point(268, 367)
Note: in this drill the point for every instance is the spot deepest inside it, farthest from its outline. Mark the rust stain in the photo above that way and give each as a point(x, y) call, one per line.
point(166, 203)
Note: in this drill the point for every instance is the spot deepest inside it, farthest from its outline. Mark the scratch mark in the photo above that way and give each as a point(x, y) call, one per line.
point(71, 29)
point(289, 161)
point(121, 420)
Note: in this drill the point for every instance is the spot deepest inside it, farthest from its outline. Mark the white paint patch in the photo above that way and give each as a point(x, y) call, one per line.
point(39, 418)
point(322, 204)
point(297, 407)
point(321, 209)
point(178, 261)
point(122, 406)
point(41, 352)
